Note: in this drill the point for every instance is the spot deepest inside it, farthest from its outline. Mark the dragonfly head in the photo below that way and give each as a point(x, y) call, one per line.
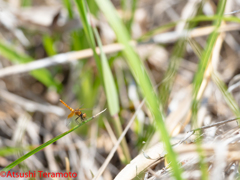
point(84, 115)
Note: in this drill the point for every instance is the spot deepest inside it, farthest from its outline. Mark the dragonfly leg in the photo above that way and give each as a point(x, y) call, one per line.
point(82, 118)
point(77, 120)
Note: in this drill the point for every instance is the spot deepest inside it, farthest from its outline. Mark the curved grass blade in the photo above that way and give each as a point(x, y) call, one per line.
point(89, 33)
point(105, 75)
point(205, 58)
point(13, 164)
point(198, 79)
point(109, 84)
point(142, 79)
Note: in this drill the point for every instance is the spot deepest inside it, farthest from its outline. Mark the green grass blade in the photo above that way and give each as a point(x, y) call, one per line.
point(123, 5)
point(199, 75)
point(196, 47)
point(220, 84)
point(26, 3)
point(42, 75)
point(103, 67)
point(158, 30)
point(204, 61)
point(13, 164)
point(68, 6)
point(142, 79)
point(227, 95)
point(114, 106)
point(89, 33)
point(11, 54)
point(214, 18)
point(175, 60)
point(45, 77)
point(6, 151)
point(93, 8)
point(109, 84)
point(79, 40)
point(48, 44)
point(133, 10)
point(169, 77)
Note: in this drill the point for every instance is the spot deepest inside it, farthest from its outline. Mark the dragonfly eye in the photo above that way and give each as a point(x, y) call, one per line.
point(84, 115)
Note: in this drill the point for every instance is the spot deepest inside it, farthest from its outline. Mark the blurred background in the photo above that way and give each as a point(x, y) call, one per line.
point(45, 56)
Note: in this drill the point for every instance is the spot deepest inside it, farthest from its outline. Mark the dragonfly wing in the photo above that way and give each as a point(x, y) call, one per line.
point(84, 109)
point(71, 114)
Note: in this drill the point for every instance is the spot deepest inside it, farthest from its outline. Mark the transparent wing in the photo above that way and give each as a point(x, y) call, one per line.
point(88, 109)
point(71, 114)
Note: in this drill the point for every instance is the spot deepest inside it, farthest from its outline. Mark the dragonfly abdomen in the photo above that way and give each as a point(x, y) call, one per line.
point(71, 109)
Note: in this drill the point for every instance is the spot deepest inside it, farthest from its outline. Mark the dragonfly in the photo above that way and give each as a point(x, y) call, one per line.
point(76, 112)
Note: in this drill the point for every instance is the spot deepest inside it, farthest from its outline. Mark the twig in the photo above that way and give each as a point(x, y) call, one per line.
point(110, 155)
point(153, 173)
point(99, 113)
point(31, 105)
point(215, 124)
point(233, 12)
point(184, 139)
point(58, 59)
point(74, 56)
point(114, 139)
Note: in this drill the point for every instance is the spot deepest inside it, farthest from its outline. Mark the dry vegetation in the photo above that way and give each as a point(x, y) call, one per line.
point(45, 56)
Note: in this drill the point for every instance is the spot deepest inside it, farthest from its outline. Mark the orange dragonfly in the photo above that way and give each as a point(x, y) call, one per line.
point(76, 112)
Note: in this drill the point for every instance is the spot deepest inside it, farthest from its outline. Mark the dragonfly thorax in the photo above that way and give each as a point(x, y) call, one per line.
point(78, 113)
